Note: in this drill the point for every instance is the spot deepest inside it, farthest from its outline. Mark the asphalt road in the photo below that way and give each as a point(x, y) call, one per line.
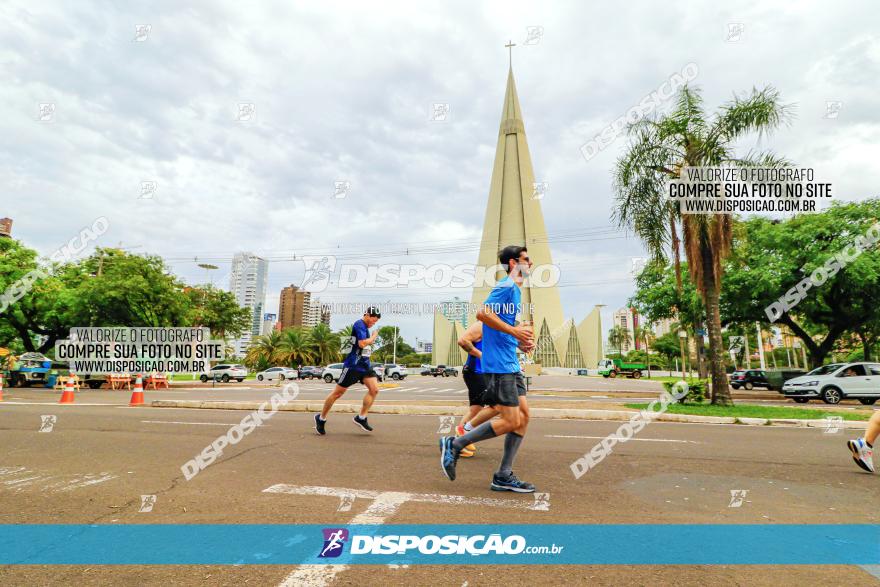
point(97, 462)
point(445, 390)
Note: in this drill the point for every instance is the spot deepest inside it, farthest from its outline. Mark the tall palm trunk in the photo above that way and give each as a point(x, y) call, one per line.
point(720, 389)
point(679, 288)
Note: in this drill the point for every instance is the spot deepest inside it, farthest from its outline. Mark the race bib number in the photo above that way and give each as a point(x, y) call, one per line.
point(366, 351)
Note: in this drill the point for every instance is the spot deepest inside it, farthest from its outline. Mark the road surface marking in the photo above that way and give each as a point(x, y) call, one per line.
point(639, 439)
point(53, 402)
point(39, 479)
point(384, 504)
point(227, 424)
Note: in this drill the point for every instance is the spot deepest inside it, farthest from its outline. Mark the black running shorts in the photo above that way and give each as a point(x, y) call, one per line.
point(351, 376)
point(504, 389)
point(476, 385)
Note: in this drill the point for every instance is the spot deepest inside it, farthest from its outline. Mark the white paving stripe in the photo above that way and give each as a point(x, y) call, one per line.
point(639, 439)
point(384, 504)
point(193, 423)
point(40, 480)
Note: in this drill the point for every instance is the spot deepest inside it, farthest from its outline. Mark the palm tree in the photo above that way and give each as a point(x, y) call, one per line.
point(660, 149)
point(344, 336)
point(262, 351)
point(645, 334)
point(295, 347)
point(618, 337)
point(325, 344)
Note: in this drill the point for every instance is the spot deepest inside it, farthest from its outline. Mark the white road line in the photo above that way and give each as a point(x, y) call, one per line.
point(445, 389)
point(639, 439)
point(88, 480)
point(192, 423)
point(53, 404)
point(384, 505)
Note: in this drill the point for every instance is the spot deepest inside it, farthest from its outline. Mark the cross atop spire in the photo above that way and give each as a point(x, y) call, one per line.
point(510, 45)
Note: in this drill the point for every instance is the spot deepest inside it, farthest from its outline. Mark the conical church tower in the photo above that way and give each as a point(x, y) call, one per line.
point(514, 217)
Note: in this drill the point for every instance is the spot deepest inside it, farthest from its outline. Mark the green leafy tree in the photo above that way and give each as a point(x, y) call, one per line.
point(262, 351)
point(217, 310)
point(660, 149)
point(772, 257)
point(668, 346)
point(618, 337)
point(325, 344)
point(295, 347)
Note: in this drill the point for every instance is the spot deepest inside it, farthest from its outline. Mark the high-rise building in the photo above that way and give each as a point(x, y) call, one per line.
point(663, 326)
point(297, 307)
point(5, 227)
point(247, 282)
point(292, 306)
point(514, 217)
point(455, 310)
point(628, 319)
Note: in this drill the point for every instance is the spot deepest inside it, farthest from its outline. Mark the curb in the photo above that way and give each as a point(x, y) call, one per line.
point(550, 413)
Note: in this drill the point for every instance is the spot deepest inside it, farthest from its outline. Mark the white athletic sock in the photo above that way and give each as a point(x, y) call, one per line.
point(468, 427)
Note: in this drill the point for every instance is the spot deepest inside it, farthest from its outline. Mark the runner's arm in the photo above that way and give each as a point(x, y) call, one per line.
point(491, 319)
point(470, 336)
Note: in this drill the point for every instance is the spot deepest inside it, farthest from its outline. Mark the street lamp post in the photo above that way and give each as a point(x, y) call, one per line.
point(682, 336)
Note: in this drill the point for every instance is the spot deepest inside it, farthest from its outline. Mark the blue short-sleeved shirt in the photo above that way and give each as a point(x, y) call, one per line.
point(474, 363)
point(499, 348)
point(357, 358)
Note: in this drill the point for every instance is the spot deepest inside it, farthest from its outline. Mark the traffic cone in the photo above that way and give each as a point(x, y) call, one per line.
point(67, 396)
point(137, 394)
point(1, 387)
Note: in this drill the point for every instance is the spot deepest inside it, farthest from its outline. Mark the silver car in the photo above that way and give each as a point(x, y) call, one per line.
point(279, 373)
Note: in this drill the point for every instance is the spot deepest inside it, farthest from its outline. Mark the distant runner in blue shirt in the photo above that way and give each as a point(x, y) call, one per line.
point(505, 384)
point(356, 368)
point(472, 342)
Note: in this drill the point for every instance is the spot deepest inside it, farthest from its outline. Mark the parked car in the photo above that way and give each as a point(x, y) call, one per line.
point(835, 382)
point(444, 371)
point(749, 379)
point(333, 372)
point(225, 372)
point(395, 371)
point(426, 370)
point(310, 372)
point(280, 373)
point(380, 371)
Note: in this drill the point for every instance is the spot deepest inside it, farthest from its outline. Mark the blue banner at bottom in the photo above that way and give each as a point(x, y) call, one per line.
point(544, 544)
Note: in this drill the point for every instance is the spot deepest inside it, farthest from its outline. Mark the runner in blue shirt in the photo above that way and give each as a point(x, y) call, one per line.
point(505, 384)
point(356, 368)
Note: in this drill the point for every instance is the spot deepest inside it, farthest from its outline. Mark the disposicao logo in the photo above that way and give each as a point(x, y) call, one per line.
point(334, 542)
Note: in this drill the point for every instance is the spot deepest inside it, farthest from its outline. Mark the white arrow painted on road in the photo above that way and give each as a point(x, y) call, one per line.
point(384, 504)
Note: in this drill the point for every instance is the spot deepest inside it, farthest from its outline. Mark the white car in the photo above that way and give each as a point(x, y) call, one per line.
point(280, 373)
point(396, 372)
point(835, 382)
point(333, 372)
point(225, 372)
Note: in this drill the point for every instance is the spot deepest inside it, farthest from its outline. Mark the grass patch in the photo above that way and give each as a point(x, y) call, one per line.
point(752, 411)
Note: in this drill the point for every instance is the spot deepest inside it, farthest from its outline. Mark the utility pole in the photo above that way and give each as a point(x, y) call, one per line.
point(748, 357)
point(394, 352)
point(760, 346)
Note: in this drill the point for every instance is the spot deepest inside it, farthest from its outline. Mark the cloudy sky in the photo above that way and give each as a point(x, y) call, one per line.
point(344, 92)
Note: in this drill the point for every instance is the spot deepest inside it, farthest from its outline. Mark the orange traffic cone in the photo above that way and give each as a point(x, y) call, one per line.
point(1, 387)
point(137, 395)
point(67, 396)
